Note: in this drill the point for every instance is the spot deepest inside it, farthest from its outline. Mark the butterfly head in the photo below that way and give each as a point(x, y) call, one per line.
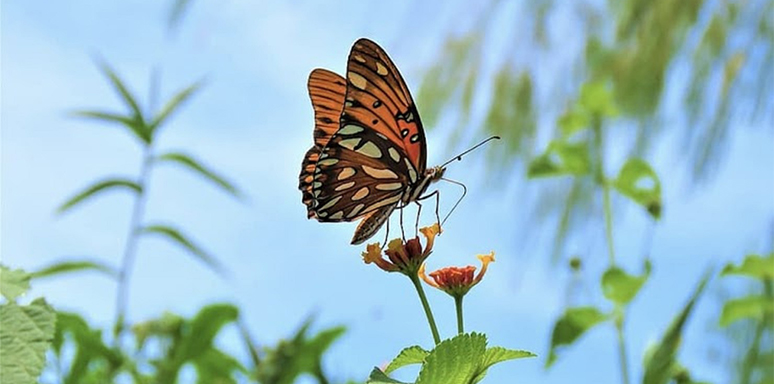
point(435, 173)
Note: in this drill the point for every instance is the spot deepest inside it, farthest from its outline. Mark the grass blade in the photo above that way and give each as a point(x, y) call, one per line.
point(98, 187)
point(74, 266)
point(173, 104)
point(133, 124)
point(122, 90)
point(183, 241)
point(201, 170)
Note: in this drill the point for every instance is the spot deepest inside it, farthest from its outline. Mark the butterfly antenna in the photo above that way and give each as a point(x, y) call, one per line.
point(464, 192)
point(459, 157)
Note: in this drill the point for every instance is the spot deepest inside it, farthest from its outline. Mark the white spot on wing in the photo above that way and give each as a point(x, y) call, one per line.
point(371, 150)
point(394, 154)
point(379, 173)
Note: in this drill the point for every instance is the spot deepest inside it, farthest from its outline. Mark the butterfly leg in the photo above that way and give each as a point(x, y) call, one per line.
point(402, 232)
point(437, 195)
point(386, 234)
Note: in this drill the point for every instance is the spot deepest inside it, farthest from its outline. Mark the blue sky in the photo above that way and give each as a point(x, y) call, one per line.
point(253, 122)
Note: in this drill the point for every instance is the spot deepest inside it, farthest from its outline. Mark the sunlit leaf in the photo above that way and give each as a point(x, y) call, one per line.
point(13, 283)
point(26, 332)
point(572, 325)
point(455, 360)
point(754, 266)
point(750, 307)
point(658, 366)
point(194, 165)
point(98, 187)
point(639, 182)
point(408, 356)
point(134, 125)
point(70, 266)
point(178, 238)
point(496, 355)
point(621, 287)
point(172, 106)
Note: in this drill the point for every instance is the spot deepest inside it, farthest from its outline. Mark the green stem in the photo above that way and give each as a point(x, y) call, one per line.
point(608, 223)
point(622, 350)
point(130, 249)
point(458, 304)
point(751, 357)
point(417, 284)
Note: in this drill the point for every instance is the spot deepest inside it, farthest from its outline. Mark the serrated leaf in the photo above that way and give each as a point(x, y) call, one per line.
point(750, 307)
point(194, 165)
point(621, 287)
point(379, 377)
point(178, 238)
point(134, 125)
point(658, 366)
point(26, 332)
point(561, 158)
point(572, 325)
point(411, 355)
point(496, 355)
point(639, 182)
point(454, 361)
point(96, 188)
point(123, 91)
point(754, 266)
point(74, 266)
point(13, 283)
point(172, 105)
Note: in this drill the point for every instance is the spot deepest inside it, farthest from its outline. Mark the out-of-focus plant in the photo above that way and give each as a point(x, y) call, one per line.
point(698, 67)
point(461, 359)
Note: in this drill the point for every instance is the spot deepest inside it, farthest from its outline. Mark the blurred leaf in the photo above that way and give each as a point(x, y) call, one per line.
point(98, 187)
point(750, 307)
point(137, 127)
point(169, 326)
point(90, 351)
point(215, 366)
point(379, 377)
point(561, 158)
point(597, 99)
point(178, 238)
point(194, 165)
point(123, 91)
point(621, 287)
point(659, 366)
point(176, 13)
point(753, 266)
point(205, 326)
point(731, 70)
point(639, 182)
point(75, 266)
point(572, 325)
point(408, 356)
point(252, 348)
point(26, 333)
point(172, 106)
point(573, 121)
point(13, 283)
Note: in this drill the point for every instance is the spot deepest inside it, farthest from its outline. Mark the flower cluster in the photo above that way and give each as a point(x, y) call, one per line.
point(457, 281)
point(403, 257)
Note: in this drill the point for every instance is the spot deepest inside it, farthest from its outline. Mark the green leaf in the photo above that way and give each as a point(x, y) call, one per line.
point(178, 238)
point(561, 158)
point(639, 182)
point(573, 121)
point(215, 366)
point(205, 326)
point(754, 266)
point(134, 125)
point(75, 266)
point(750, 307)
point(411, 355)
point(179, 8)
point(98, 187)
point(455, 360)
point(621, 287)
point(13, 283)
point(658, 366)
point(122, 90)
point(496, 355)
point(194, 165)
point(26, 333)
point(572, 325)
point(597, 99)
point(90, 349)
point(379, 377)
point(172, 106)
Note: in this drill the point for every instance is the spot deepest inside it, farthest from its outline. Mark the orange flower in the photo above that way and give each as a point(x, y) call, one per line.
point(403, 257)
point(457, 281)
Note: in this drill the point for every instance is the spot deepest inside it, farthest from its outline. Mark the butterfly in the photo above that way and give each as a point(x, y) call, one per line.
point(370, 152)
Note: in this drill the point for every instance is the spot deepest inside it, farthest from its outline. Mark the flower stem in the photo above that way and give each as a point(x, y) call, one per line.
point(622, 350)
point(460, 324)
point(751, 357)
point(415, 279)
point(130, 249)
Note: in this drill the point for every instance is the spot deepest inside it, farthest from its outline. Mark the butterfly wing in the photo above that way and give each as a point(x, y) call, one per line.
point(327, 91)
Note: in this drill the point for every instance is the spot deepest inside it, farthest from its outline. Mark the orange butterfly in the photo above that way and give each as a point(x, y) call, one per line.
point(369, 154)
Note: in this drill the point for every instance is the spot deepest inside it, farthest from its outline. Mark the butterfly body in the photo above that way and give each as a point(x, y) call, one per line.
point(369, 156)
